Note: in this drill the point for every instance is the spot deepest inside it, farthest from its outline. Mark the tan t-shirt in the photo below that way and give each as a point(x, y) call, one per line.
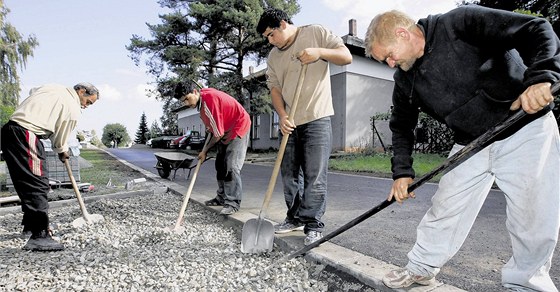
point(50, 111)
point(283, 70)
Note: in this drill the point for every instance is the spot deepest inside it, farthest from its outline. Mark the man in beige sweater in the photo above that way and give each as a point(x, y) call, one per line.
point(50, 112)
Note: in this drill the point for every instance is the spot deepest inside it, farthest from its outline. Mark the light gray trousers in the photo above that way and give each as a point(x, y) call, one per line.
point(526, 167)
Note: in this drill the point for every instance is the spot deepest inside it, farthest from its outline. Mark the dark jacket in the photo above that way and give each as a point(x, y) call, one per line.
point(476, 62)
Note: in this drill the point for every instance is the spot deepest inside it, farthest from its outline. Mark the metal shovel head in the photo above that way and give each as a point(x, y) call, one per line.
point(257, 236)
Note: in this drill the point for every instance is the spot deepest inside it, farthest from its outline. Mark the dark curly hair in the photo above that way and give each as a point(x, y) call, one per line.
point(272, 18)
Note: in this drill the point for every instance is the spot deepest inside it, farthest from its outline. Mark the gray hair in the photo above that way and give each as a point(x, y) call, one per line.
point(382, 28)
point(88, 88)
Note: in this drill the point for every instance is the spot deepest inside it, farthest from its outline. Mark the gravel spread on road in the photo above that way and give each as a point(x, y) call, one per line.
point(130, 250)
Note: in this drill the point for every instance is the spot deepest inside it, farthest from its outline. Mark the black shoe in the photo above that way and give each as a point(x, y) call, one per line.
point(42, 241)
point(213, 202)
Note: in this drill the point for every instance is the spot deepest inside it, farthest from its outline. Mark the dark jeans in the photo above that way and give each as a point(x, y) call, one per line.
point(229, 161)
point(26, 160)
point(307, 154)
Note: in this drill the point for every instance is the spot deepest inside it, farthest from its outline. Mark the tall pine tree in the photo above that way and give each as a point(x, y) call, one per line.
point(143, 132)
point(206, 41)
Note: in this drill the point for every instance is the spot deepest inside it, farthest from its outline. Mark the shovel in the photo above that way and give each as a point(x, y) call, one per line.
point(451, 162)
point(258, 234)
point(178, 228)
point(87, 218)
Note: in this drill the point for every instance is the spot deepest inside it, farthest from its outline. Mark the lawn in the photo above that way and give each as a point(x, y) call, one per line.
point(105, 167)
point(380, 164)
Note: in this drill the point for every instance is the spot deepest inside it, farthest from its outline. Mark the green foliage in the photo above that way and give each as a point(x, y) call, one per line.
point(80, 137)
point(206, 41)
point(549, 9)
point(436, 136)
point(6, 112)
point(431, 136)
point(169, 118)
point(155, 130)
point(14, 51)
point(115, 132)
point(142, 133)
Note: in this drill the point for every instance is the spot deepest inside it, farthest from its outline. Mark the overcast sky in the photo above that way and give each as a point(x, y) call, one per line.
point(84, 40)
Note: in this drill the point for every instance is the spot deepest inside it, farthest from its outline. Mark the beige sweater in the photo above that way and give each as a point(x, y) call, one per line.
point(50, 111)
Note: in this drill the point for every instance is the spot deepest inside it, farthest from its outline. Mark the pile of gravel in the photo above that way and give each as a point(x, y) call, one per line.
point(130, 250)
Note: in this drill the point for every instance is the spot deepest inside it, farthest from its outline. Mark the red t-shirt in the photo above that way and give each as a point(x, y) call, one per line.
point(222, 115)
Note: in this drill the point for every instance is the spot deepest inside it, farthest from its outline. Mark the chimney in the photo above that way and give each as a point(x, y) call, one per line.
point(352, 27)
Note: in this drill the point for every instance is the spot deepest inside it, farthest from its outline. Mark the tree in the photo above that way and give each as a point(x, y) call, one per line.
point(549, 9)
point(155, 130)
point(115, 132)
point(204, 40)
point(14, 51)
point(142, 132)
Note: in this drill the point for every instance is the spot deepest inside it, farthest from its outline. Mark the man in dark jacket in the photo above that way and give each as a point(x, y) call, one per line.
point(470, 68)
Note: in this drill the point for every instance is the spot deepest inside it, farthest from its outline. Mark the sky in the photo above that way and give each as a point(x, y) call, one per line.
point(85, 41)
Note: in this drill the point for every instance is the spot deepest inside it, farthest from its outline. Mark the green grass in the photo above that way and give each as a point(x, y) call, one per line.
point(105, 167)
point(380, 164)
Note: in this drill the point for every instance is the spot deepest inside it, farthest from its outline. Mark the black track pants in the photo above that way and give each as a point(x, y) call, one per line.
point(26, 160)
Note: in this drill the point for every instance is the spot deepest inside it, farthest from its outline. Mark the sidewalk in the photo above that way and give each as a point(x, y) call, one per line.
point(364, 268)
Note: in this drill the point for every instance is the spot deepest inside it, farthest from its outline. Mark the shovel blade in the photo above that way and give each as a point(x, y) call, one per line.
point(257, 236)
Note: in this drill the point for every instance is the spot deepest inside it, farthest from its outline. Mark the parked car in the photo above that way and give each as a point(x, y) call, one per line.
point(162, 142)
point(174, 144)
point(149, 143)
point(192, 140)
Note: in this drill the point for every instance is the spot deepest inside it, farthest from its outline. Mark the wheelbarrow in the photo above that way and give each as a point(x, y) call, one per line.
point(168, 161)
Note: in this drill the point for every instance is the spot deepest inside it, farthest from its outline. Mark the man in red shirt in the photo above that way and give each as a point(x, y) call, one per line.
point(229, 124)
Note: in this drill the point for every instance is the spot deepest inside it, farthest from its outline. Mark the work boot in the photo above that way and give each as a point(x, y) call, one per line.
point(42, 241)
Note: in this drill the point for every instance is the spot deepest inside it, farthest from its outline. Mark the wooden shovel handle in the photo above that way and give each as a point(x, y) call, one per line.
point(283, 144)
point(191, 185)
point(76, 190)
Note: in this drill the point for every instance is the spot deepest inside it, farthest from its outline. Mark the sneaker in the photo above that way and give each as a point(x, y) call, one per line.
point(312, 236)
point(288, 226)
point(42, 241)
point(227, 210)
point(402, 278)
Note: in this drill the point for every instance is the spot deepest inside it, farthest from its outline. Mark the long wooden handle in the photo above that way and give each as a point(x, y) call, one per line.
point(191, 185)
point(76, 190)
point(283, 144)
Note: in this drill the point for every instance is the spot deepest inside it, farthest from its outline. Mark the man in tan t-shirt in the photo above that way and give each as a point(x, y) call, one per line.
point(51, 111)
point(309, 144)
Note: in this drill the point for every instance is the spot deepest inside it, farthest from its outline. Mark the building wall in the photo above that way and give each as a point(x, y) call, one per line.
point(264, 140)
point(367, 92)
point(189, 119)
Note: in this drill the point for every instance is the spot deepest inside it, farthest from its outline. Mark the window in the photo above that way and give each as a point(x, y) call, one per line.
point(256, 126)
point(274, 122)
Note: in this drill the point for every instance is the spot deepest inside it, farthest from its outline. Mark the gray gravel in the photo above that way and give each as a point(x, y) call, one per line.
point(131, 251)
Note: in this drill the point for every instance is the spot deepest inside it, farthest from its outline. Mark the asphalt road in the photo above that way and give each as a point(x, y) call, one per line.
point(388, 235)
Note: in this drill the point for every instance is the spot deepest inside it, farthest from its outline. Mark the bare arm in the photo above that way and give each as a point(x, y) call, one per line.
point(286, 126)
point(339, 56)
